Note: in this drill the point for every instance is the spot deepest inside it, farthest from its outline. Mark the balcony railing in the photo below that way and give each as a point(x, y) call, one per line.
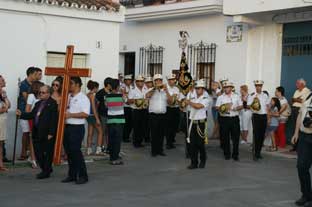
point(139, 3)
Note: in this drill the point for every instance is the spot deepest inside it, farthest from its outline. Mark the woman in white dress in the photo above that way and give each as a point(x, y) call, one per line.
point(32, 99)
point(4, 107)
point(245, 114)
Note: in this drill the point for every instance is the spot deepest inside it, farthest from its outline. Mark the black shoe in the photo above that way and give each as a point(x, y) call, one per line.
point(201, 165)
point(68, 180)
point(170, 146)
point(256, 159)
point(236, 159)
point(308, 204)
point(42, 175)
point(126, 140)
point(260, 157)
point(302, 201)
point(81, 180)
point(192, 167)
point(6, 160)
point(227, 158)
point(162, 154)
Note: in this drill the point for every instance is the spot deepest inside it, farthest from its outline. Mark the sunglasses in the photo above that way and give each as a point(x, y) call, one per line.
point(55, 84)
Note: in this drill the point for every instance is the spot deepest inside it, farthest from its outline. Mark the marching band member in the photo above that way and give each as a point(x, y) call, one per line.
point(148, 84)
point(198, 116)
point(173, 112)
point(229, 104)
point(258, 103)
point(222, 80)
point(128, 110)
point(138, 104)
point(159, 96)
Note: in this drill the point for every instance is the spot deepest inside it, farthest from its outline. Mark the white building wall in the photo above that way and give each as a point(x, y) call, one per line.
point(26, 38)
point(264, 54)
point(235, 7)
point(231, 57)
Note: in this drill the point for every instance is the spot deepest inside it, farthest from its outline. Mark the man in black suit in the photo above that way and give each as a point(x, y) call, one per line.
point(44, 116)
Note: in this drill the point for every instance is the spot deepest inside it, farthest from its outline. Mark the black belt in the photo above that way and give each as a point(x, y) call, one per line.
point(202, 121)
point(74, 125)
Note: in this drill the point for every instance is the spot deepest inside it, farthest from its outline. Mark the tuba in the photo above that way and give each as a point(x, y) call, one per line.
point(145, 104)
point(256, 105)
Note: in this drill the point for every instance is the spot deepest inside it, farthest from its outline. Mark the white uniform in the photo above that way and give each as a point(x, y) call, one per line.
point(174, 91)
point(192, 95)
point(136, 93)
point(78, 104)
point(127, 89)
point(233, 99)
point(264, 102)
point(200, 114)
point(158, 102)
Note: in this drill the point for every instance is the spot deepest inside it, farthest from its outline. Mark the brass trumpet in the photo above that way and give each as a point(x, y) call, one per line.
point(223, 109)
point(182, 104)
point(160, 87)
point(141, 103)
point(174, 100)
point(256, 105)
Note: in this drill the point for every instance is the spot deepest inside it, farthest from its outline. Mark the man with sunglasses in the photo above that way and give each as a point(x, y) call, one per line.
point(44, 116)
point(78, 110)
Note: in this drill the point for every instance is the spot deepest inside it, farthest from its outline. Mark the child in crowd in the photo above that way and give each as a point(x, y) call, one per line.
point(273, 121)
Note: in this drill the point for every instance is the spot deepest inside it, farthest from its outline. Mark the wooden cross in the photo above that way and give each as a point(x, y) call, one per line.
point(66, 72)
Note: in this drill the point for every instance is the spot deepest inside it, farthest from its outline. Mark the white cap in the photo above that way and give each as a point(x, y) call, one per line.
point(148, 79)
point(157, 76)
point(139, 78)
point(258, 82)
point(200, 83)
point(171, 76)
point(227, 84)
point(223, 80)
point(128, 77)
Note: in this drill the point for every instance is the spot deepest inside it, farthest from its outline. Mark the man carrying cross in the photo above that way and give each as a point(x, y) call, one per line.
point(78, 110)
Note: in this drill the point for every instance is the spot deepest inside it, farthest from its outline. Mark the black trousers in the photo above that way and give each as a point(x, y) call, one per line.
point(304, 162)
point(259, 123)
point(73, 137)
point(128, 125)
point(173, 119)
point(184, 128)
point(115, 137)
point(220, 131)
point(197, 145)
point(147, 131)
point(157, 123)
point(230, 131)
point(291, 123)
point(139, 126)
point(44, 151)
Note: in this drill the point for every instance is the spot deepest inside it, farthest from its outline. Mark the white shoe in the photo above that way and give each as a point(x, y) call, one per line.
point(98, 150)
point(89, 151)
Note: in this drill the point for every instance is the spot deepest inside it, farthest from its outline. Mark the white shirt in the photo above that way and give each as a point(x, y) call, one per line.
point(264, 102)
point(283, 102)
point(233, 99)
point(192, 95)
point(303, 112)
point(174, 91)
point(199, 114)
point(136, 93)
point(127, 89)
point(158, 102)
point(78, 104)
point(303, 94)
point(32, 100)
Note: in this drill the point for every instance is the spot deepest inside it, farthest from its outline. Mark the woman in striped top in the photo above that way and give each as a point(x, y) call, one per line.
point(115, 122)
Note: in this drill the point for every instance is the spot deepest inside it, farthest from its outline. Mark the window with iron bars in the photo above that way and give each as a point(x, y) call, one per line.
point(201, 60)
point(151, 60)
